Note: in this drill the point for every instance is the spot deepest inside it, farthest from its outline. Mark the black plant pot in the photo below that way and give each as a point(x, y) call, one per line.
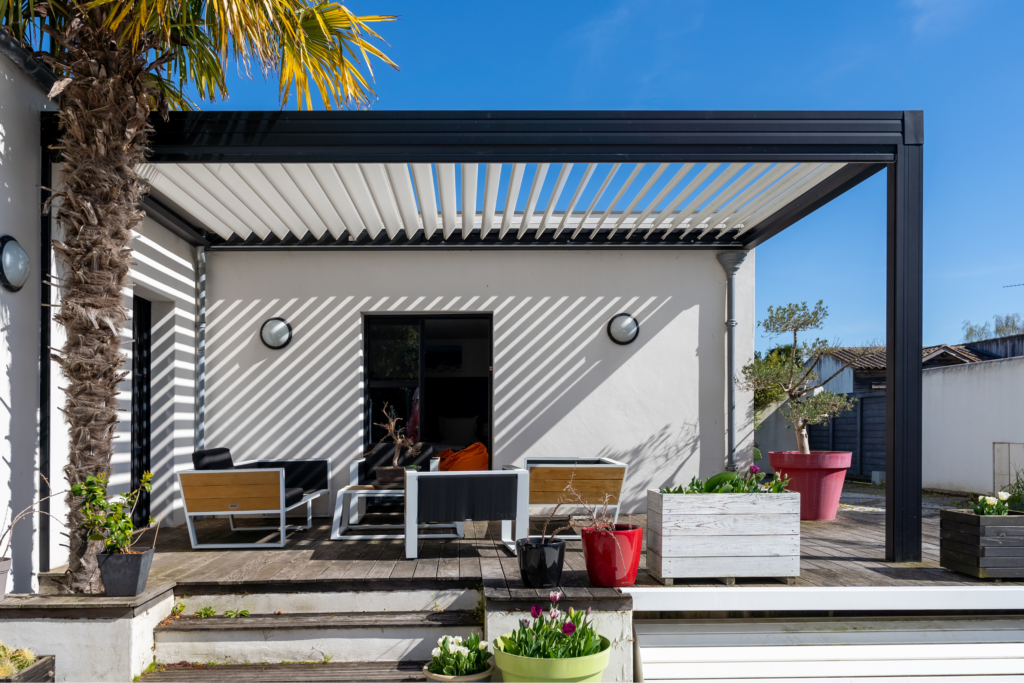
point(124, 575)
point(540, 564)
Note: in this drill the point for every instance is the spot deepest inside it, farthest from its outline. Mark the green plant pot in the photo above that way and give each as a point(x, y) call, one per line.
point(515, 668)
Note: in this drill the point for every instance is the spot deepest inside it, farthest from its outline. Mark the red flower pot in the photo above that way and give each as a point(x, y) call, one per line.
point(817, 476)
point(613, 557)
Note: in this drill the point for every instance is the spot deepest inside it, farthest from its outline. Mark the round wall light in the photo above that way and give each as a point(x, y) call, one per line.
point(276, 333)
point(623, 329)
point(13, 264)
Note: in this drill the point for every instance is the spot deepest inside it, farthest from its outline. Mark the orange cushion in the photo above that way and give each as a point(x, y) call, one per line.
point(472, 457)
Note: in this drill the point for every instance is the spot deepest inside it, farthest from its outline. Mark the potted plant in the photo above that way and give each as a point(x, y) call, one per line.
point(541, 558)
point(985, 541)
point(20, 664)
point(816, 475)
point(123, 569)
point(395, 475)
point(7, 538)
point(611, 550)
point(724, 527)
point(455, 661)
point(553, 646)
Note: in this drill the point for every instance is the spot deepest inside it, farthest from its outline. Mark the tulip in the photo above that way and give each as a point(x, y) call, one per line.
point(553, 613)
point(990, 500)
point(536, 611)
point(568, 628)
point(555, 596)
point(1004, 496)
point(754, 469)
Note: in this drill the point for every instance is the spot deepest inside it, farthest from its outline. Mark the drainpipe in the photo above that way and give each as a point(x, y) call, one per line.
point(730, 261)
point(201, 349)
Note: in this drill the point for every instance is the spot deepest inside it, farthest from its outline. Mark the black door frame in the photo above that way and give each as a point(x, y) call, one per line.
point(142, 396)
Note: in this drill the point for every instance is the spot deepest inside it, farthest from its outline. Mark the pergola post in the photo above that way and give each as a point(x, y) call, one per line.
point(904, 285)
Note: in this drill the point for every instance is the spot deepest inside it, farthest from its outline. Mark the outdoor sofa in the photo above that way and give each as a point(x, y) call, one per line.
point(217, 486)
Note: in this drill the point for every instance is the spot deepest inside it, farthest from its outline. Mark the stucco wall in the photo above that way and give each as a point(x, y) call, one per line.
point(967, 408)
point(163, 271)
point(561, 387)
point(21, 101)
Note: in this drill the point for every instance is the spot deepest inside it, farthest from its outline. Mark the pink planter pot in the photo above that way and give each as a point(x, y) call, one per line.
point(817, 476)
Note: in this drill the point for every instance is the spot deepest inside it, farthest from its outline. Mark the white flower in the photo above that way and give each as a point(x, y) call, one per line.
point(553, 613)
point(440, 641)
point(981, 498)
point(457, 640)
point(464, 651)
point(482, 646)
point(1003, 495)
point(990, 500)
point(436, 652)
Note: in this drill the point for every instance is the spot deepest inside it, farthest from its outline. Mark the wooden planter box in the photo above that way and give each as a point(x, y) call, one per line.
point(43, 670)
point(985, 546)
point(723, 535)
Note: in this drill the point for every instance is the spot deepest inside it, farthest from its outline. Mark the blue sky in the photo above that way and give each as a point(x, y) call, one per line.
point(959, 60)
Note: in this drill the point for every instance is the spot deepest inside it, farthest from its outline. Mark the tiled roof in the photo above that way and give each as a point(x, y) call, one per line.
point(874, 358)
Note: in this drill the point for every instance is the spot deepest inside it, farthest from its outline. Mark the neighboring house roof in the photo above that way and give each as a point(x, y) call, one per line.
point(874, 359)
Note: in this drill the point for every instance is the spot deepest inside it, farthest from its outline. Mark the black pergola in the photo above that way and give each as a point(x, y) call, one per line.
point(866, 142)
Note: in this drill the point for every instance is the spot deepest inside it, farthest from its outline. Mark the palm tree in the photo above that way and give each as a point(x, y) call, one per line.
point(118, 61)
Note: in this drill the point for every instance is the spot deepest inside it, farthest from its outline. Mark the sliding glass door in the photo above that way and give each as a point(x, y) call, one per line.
point(434, 371)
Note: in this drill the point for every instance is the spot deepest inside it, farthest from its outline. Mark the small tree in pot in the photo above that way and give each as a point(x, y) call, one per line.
point(817, 476)
point(123, 569)
point(401, 441)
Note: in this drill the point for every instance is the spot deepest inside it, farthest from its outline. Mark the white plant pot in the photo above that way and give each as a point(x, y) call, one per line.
point(5, 569)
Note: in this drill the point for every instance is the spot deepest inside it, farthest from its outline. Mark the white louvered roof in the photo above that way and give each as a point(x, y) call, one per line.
point(510, 202)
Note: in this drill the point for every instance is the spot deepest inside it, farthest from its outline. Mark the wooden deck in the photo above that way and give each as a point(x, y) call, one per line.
point(849, 551)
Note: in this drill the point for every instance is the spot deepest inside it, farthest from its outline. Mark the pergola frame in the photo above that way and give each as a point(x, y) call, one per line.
point(867, 141)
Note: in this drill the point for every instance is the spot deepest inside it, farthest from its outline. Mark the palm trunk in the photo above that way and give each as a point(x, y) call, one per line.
point(103, 118)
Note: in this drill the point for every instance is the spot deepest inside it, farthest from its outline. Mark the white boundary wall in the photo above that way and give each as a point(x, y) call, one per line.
point(21, 101)
point(967, 408)
point(561, 387)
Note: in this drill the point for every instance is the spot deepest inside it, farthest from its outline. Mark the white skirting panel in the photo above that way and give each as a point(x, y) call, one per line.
point(861, 649)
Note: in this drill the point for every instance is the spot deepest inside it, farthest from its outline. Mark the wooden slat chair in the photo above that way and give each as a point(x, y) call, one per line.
point(260, 487)
point(459, 496)
point(594, 478)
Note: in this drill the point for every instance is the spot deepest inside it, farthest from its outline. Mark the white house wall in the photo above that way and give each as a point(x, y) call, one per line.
point(163, 271)
point(561, 387)
point(21, 101)
point(967, 408)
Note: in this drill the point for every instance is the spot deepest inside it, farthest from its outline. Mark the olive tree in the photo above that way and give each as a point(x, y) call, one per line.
point(794, 376)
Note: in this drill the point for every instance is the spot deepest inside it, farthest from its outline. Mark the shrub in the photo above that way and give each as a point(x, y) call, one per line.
point(732, 482)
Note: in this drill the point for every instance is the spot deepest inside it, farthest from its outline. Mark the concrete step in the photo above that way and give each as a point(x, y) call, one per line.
point(265, 673)
point(310, 637)
point(277, 600)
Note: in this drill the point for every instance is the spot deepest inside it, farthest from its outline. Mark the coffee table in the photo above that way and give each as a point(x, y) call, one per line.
point(347, 515)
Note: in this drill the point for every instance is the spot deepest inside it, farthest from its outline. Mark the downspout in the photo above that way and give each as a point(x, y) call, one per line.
point(730, 262)
point(200, 438)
